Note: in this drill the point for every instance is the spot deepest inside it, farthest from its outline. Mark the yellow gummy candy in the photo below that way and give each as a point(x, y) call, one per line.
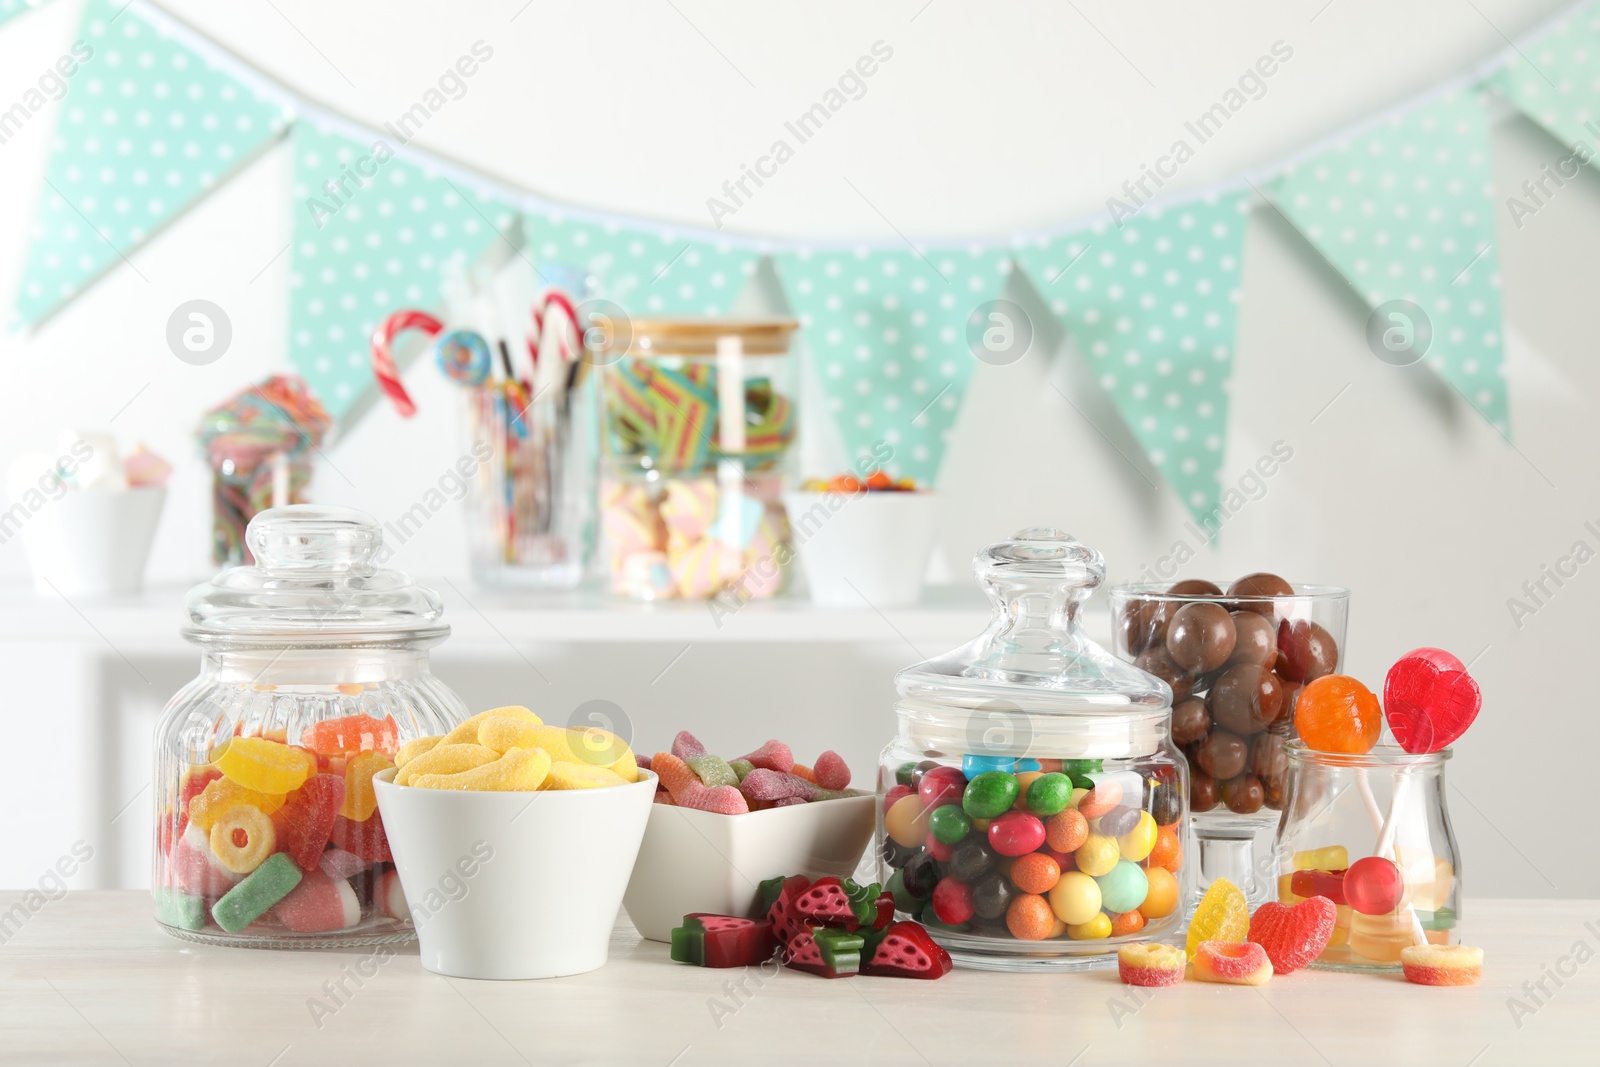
point(626, 768)
point(209, 805)
point(467, 732)
point(597, 747)
point(414, 748)
point(1331, 858)
point(518, 770)
point(243, 838)
point(264, 765)
point(1222, 915)
point(566, 775)
point(446, 759)
point(503, 734)
point(360, 799)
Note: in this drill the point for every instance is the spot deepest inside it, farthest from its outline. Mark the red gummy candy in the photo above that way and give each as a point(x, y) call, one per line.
point(824, 902)
point(766, 785)
point(830, 771)
point(907, 951)
point(787, 802)
point(1294, 936)
point(305, 822)
point(1429, 700)
point(774, 756)
point(353, 733)
point(318, 904)
point(724, 800)
point(365, 839)
point(642, 762)
point(1328, 884)
point(687, 746)
point(785, 924)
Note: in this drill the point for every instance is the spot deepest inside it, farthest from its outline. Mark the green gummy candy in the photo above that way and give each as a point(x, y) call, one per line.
point(177, 908)
point(863, 899)
point(250, 899)
point(689, 944)
point(712, 771)
point(840, 949)
point(818, 793)
point(742, 767)
point(1442, 919)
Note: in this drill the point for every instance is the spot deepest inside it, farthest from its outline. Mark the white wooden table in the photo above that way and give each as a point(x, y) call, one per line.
point(89, 979)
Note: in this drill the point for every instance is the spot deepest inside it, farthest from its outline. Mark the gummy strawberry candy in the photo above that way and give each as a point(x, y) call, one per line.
point(1222, 915)
point(774, 756)
point(825, 951)
point(831, 771)
point(1336, 713)
point(305, 822)
point(906, 951)
point(826, 903)
point(1294, 936)
point(722, 941)
point(1429, 700)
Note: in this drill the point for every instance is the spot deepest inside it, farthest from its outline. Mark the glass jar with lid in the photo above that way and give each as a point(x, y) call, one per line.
point(697, 429)
point(1033, 808)
point(314, 670)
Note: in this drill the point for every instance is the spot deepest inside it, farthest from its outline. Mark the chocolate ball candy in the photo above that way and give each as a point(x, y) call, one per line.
point(972, 859)
point(1267, 757)
point(1309, 651)
point(1260, 584)
point(1200, 637)
point(1195, 587)
point(1156, 661)
point(1202, 791)
point(1222, 755)
point(1165, 609)
point(1246, 699)
point(1141, 627)
point(1190, 721)
point(992, 896)
point(1255, 640)
point(1272, 786)
point(1243, 794)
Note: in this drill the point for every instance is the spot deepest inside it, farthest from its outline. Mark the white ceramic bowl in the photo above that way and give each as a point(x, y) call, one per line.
point(701, 861)
point(514, 885)
point(872, 545)
point(93, 542)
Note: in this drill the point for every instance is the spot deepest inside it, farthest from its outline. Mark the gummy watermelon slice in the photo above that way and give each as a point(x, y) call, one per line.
point(829, 952)
point(906, 951)
point(722, 940)
point(785, 923)
point(826, 903)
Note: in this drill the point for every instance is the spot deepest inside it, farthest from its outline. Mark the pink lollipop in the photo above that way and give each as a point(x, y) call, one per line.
point(1429, 700)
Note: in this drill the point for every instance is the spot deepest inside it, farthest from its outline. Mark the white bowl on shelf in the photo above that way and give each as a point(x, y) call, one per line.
point(93, 542)
point(514, 885)
point(701, 861)
point(873, 546)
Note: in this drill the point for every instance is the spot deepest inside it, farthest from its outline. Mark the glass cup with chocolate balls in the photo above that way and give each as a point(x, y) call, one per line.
point(1236, 657)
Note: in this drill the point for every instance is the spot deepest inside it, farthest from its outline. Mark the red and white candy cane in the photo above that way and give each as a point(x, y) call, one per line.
point(383, 367)
point(568, 338)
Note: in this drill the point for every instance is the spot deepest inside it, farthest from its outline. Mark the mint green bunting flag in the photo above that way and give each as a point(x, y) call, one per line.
point(885, 334)
point(1152, 305)
point(1406, 211)
point(8, 8)
point(1556, 80)
point(647, 273)
point(147, 127)
point(372, 232)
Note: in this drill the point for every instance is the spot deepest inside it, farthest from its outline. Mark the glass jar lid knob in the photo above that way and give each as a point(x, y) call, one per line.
point(300, 537)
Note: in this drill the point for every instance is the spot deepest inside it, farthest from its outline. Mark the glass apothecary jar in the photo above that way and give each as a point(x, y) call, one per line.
point(314, 670)
point(1033, 809)
point(1371, 833)
point(697, 428)
point(1236, 662)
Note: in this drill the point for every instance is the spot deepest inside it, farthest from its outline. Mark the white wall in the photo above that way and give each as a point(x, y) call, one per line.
point(987, 119)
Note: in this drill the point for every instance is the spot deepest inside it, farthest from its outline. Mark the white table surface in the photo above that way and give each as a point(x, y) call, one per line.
point(89, 979)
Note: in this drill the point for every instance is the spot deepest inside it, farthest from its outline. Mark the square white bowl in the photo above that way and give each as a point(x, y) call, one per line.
point(514, 885)
point(701, 861)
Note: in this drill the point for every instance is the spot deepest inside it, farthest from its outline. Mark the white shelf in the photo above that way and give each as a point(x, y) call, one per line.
point(483, 618)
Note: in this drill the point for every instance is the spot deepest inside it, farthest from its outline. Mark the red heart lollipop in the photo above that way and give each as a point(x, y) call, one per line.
point(1429, 700)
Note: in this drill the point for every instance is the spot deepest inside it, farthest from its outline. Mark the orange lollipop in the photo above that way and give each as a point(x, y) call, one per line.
point(1336, 713)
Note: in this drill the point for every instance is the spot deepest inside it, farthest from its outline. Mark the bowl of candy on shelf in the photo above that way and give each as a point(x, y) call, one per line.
point(863, 537)
point(719, 827)
point(513, 842)
point(1369, 873)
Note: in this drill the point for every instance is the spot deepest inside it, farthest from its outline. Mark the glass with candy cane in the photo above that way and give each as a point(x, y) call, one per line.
point(697, 427)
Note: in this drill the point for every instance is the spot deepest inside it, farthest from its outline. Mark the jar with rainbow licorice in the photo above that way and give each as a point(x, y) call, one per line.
point(1033, 811)
point(697, 428)
point(314, 672)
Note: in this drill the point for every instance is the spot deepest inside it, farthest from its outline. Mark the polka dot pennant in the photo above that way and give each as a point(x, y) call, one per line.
point(371, 235)
point(1556, 79)
point(647, 273)
point(1152, 306)
point(146, 128)
point(885, 334)
point(9, 8)
point(1406, 211)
